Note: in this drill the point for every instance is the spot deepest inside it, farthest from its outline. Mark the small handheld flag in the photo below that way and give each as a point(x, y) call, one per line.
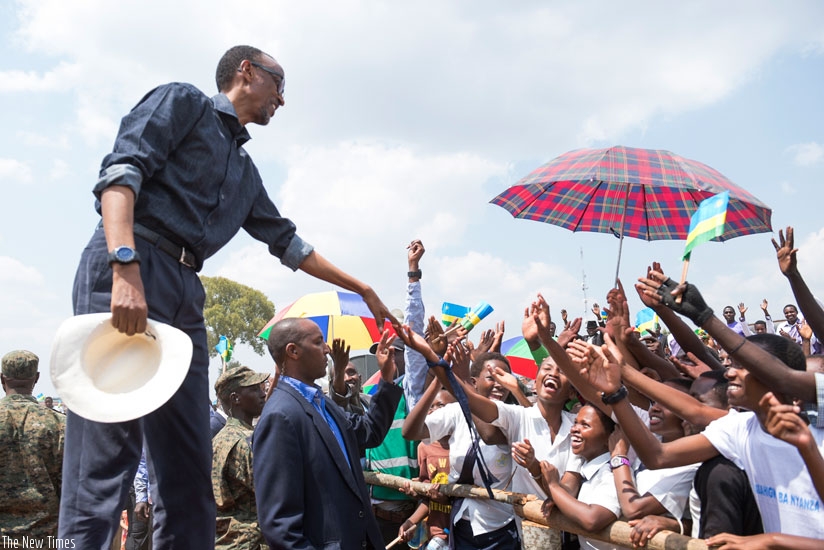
point(708, 221)
point(224, 349)
point(646, 319)
point(450, 313)
point(475, 316)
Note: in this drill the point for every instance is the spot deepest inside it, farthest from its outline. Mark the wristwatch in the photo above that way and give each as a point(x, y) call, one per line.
point(414, 274)
point(123, 255)
point(618, 461)
point(613, 398)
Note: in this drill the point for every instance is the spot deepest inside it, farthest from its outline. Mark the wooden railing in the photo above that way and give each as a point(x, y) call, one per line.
point(529, 508)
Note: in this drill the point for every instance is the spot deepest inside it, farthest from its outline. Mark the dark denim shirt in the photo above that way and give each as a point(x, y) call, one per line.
point(182, 155)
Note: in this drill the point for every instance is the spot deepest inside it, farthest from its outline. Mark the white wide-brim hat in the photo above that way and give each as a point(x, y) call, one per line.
point(103, 375)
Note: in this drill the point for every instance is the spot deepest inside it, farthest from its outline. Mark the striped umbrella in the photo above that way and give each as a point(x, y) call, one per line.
point(338, 314)
point(370, 387)
point(517, 352)
point(641, 193)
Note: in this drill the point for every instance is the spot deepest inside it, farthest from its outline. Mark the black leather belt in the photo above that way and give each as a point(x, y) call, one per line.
point(177, 252)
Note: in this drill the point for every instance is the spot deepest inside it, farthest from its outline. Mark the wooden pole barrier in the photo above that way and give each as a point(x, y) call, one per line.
point(529, 507)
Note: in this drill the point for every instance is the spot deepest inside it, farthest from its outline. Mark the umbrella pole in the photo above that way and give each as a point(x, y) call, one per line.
point(621, 237)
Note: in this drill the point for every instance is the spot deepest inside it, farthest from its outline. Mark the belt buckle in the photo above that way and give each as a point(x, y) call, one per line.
point(182, 258)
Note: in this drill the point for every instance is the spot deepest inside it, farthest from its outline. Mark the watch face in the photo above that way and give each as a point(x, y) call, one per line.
point(124, 254)
point(617, 462)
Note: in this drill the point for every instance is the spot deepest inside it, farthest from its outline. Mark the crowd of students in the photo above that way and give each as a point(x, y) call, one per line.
point(712, 432)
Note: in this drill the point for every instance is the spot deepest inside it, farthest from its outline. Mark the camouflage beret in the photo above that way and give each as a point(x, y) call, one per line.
point(234, 379)
point(20, 364)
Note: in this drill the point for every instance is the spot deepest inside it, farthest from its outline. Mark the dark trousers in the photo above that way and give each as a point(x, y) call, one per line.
point(500, 539)
point(100, 460)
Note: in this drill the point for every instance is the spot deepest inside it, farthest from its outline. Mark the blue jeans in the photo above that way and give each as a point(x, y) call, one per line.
point(100, 460)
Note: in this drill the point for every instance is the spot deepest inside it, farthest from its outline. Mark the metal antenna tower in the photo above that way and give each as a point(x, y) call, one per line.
point(584, 286)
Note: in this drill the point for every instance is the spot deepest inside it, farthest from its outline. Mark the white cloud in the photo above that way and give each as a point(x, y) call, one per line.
point(787, 188)
point(15, 171)
point(807, 154)
point(59, 170)
point(504, 82)
point(13, 271)
point(359, 196)
point(62, 77)
point(811, 261)
point(33, 139)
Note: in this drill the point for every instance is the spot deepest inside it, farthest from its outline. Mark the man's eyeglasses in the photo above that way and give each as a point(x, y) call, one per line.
point(279, 79)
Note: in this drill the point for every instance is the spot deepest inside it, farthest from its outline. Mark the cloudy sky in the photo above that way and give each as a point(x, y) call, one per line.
point(402, 121)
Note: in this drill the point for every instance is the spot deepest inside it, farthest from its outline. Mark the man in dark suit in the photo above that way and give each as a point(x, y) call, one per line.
point(309, 484)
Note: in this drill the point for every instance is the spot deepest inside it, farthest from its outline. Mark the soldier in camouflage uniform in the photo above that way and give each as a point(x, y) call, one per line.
point(31, 453)
point(241, 395)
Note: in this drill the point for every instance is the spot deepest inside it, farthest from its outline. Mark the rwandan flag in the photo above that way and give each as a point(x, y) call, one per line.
point(475, 316)
point(451, 313)
point(224, 349)
point(708, 221)
point(646, 319)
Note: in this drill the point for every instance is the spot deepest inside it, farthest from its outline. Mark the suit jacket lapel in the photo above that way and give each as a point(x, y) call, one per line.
point(327, 436)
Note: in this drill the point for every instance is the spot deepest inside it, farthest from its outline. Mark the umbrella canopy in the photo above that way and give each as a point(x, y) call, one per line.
point(642, 193)
point(338, 314)
point(370, 387)
point(516, 350)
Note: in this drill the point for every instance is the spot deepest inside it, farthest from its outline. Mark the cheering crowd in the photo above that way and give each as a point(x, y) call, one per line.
point(715, 433)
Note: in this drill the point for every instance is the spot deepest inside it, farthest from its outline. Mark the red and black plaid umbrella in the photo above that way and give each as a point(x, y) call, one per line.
point(642, 193)
point(592, 189)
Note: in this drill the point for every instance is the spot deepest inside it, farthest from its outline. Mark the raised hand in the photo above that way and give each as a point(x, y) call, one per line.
point(785, 253)
point(618, 312)
point(499, 337)
point(692, 304)
point(506, 379)
point(595, 367)
point(484, 343)
point(693, 370)
point(570, 332)
point(805, 330)
point(385, 354)
point(434, 336)
point(379, 311)
point(618, 444)
point(340, 358)
point(340, 355)
point(784, 423)
point(764, 307)
point(742, 309)
point(529, 328)
point(414, 252)
point(417, 343)
point(458, 355)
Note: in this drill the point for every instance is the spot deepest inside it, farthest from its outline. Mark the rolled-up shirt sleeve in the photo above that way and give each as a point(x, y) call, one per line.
point(119, 174)
point(148, 135)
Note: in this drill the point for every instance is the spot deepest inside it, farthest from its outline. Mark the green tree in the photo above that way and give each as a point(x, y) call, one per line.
point(235, 311)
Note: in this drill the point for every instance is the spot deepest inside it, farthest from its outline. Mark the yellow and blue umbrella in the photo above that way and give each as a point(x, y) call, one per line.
point(338, 314)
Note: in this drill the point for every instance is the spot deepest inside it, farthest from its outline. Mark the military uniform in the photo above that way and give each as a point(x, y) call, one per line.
point(31, 455)
point(233, 485)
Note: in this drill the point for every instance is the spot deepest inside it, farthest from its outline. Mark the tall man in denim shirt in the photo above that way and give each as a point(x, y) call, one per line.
point(176, 188)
